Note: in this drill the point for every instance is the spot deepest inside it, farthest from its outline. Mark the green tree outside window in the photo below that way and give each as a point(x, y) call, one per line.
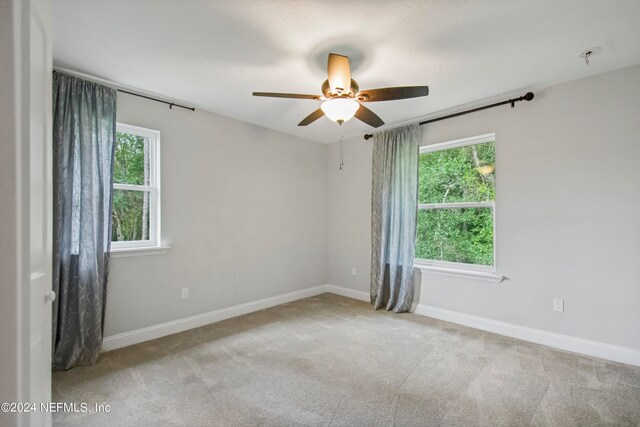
point(456, 234)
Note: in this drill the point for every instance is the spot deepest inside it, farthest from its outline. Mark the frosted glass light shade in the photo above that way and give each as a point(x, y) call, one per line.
point(340, 109)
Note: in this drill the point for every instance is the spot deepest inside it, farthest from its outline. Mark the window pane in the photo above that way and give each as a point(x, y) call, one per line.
point(130, 215)
point(465, 174)
point(131, 163)
point(456, 235)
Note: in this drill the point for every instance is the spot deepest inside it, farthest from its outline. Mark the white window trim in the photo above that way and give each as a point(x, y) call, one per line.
point(139, 251)
point(459, 269)
point(457, 143)
point(456, 205)
point(460, 272)
point(153, 245)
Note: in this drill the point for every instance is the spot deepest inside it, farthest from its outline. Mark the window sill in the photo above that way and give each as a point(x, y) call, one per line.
point(139, 251)
point(458, 272)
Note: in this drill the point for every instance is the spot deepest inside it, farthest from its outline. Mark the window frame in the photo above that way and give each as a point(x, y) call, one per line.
point(447, 145)
point(153, 188)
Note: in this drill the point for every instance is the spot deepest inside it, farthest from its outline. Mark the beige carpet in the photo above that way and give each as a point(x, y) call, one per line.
point(330, 360)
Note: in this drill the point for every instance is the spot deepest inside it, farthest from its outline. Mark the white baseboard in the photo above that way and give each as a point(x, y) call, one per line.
point(156, 331)
point(564, 342)
point(348, 292)
point(551, 339)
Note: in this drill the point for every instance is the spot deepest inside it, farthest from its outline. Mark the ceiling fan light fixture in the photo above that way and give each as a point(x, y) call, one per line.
point(340, 109)
point(342, 96)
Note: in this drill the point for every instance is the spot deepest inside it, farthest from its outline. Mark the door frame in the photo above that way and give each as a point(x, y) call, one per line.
point(15, 251)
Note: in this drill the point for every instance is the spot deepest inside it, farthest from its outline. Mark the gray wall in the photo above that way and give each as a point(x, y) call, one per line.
point(243, 209)
point(349, 214)
point(567, 207)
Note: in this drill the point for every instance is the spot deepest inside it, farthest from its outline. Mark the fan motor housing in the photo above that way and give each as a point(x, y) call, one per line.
point(328, 93)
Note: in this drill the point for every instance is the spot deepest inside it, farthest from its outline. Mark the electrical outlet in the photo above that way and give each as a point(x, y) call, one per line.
point(558, 304)
point(185, 293)
point(354, 272)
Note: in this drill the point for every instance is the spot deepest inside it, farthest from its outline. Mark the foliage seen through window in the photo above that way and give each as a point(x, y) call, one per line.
point(131, 206)
point(463, 233)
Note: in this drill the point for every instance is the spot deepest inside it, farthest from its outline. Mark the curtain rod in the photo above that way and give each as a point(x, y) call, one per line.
point(171, 104)
point(526, 97)
point(118, 87)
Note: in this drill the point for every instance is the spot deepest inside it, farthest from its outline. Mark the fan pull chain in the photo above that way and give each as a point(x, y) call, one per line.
point(341, 148)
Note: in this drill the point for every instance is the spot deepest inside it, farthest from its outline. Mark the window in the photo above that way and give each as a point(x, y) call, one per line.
point(456, 203)
point(136, 188)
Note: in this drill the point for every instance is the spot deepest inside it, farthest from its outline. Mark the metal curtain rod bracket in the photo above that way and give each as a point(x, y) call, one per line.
point(526, 97)
point(170, 104)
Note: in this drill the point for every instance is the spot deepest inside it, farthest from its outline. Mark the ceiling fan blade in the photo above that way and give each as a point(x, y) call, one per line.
point(286, 95)
point(312, 117)
point(339, 72)
point(369, 117)
point(391, 93)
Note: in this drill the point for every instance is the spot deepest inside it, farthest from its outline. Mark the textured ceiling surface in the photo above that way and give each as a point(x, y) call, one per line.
point(213, 54)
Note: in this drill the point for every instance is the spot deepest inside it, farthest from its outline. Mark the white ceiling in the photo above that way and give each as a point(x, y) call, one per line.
point(213, 54)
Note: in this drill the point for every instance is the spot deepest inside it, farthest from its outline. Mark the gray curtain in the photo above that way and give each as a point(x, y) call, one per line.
point(393, 217)
point(84, 132)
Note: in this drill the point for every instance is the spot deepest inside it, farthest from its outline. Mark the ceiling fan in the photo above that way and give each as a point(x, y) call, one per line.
point(342, 98)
